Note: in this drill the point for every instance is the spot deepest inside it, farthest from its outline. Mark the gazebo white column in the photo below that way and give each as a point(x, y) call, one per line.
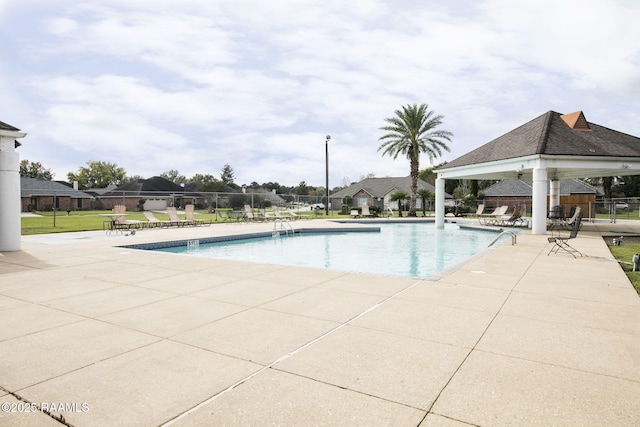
point(439, 202)
point(554, 193)
point(539, 204)
point(9, 191)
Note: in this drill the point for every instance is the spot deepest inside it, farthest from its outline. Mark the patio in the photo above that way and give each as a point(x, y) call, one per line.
point(111, 336)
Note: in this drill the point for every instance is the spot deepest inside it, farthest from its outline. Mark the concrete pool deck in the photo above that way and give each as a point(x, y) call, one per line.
point(104, 335)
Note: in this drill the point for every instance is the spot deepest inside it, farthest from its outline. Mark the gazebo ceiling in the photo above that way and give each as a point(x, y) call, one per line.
point(567, 146)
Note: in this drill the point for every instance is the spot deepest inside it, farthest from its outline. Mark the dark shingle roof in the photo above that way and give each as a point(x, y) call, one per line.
point(516, 187)
point(30, 187)
point(5, 126)
point(155, 184)
point(550, 134)
point(380, 187)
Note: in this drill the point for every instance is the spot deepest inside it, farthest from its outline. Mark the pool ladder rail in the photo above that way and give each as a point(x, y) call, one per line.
point(284, 225)
point(504, 233)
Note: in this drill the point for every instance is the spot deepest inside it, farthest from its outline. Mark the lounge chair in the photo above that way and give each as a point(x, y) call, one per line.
point(248, 214)
point(354, 213)
point(479, 211)
point(487, 219)
point(175, 219)
point(121, 222)
point(365, 212)
point(263, 215)
point(279, 215)
point(296, 215)
point(562, 243)
point(153, 221)
point(515, 219)
point(189, 215)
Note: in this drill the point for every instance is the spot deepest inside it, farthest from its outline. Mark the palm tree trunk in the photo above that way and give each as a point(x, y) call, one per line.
point(414, 185)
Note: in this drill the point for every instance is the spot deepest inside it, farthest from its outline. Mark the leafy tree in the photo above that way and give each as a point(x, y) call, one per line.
point(425, 195)
point(35, 170)
point(399, 196)
point(630, 185)
point(410, 132)
point(174, 176)
point(302, 189)
point(98, 174)
point(227, 175)
point(427, 175)
point(207, 183)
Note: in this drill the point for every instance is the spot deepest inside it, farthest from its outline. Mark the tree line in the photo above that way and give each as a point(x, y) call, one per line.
point(101, 174)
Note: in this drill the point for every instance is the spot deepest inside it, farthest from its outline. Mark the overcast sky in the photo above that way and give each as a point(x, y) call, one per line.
point(190, 85)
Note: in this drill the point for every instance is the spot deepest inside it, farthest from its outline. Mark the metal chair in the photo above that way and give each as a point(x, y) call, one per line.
point(561, 243)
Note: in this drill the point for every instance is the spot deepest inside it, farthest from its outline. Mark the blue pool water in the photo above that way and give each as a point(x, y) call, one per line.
point(412, 249)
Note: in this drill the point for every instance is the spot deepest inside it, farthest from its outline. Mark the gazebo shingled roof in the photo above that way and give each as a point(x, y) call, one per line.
point(557, 135)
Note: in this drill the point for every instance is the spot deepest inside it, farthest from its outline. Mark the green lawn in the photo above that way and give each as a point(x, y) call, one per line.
point(47, 222)
point(625, 253)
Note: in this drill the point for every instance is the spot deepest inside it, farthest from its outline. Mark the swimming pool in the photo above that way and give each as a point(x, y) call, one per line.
point(411, 249)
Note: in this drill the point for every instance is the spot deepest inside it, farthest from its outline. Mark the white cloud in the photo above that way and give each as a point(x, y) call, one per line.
point(192, 85)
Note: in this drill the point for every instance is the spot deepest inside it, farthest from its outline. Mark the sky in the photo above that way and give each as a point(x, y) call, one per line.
point(192, 85)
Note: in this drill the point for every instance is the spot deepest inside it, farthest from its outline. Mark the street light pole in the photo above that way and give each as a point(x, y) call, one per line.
point(326, 152)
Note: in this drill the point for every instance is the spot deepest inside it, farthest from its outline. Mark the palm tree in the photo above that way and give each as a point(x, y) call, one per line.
point(410, 132)
point(398, 196)
point(424, 195)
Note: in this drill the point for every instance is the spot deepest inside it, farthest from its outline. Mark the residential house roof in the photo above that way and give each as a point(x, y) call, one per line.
point(31, 187)
point(156, 185)
point(380, 187)
point(523, 188)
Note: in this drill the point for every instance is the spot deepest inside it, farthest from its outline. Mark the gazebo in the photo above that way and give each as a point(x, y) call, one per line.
point(550, 147)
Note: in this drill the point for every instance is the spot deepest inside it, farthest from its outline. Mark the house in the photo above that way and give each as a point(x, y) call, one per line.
point(42, 195)
point(155, 193)
point(573, 192)
point(377, 191)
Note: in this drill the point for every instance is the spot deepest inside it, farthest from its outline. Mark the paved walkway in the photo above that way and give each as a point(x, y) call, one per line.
point(103, 335)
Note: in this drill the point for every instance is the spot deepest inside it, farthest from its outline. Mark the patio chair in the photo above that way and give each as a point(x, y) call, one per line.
point(248, 213)
point(566, 224)
point(263, 215)
point(153, 221)
point(235, 216)
point(561, 243)
point(479, 211)
point(487, 219)
point(556, 213)
point(365, 212)
point(175, 219)
point(278, 214)
point(354, 213)
point(515, 219)
point(296, 215)
point(189, 215)
point(121, 222)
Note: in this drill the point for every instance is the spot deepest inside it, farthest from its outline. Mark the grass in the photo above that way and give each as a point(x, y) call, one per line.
point(60, 222)
point(625, 253)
